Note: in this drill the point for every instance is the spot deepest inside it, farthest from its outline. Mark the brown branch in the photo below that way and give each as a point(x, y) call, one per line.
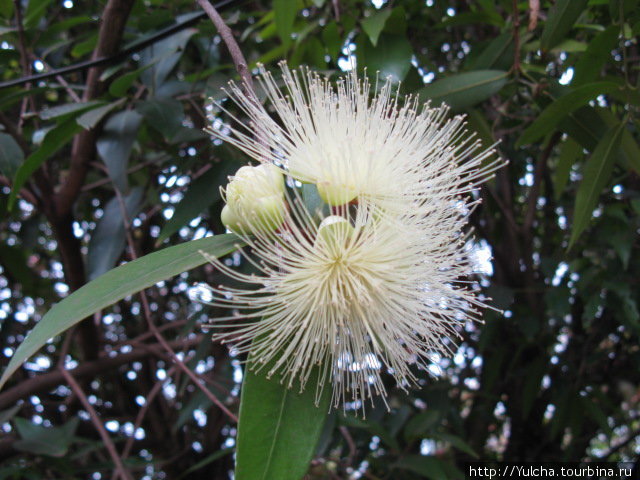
point(234, 50)
point(48, 381)
point(114, 19)
point(534, 11)
point(95, 419)
point(516, 37)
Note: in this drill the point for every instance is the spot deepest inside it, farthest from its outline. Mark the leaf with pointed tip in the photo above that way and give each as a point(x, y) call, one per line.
point(597, 172)
point(115, 285)
point(464, 90)
point(279, 427)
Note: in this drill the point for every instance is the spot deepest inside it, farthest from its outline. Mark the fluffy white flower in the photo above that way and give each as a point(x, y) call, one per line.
point(378, 283)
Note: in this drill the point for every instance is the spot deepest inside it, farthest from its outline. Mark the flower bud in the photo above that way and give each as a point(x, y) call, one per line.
point(255, 200)
point(334, 230)
point(336, 194)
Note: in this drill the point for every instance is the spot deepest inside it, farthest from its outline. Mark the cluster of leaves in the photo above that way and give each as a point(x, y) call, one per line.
point(109, 164)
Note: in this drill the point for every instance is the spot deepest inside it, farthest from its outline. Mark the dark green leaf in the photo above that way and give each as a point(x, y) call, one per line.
point(498, 54)
point(390, 58)
point(374, 23)
point(279, 428)
point(91, 118)
point(597, 172)
point(68, 109)
point(421, 424)
point(427, 466)
point(285, 15)
point(53, 141)
point(165, 115)
point(40, 440)
point(332, 40)
point(115, 143)
point(456, 442)
point(35, 11)
point(115, 285)
point(464, 89)
point(597, 54)
point(108, 239)
point(206, 461)
point(162, 56)
point(570, 151)
point(560, 108)
point(120, 85)
point(11, 155)
point(561, 19)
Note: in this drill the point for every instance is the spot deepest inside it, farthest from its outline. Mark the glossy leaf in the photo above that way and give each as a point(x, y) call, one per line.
point(570, 151)
point(115, 285)
point(162, 57)
point(561, 19)
point(373, 24)
point(108, 239)
point(426, 466)
point(464, 90)
point(91, 118)
point(54, 140)
point(11, 155)
point(561, 107)
point(115, 143)
point(598, 52)
point(68, 109)
point(390, 58)
point(285, 15)
point(597, 172)
point(279, 427)
point(165, 115)
point(41, 440)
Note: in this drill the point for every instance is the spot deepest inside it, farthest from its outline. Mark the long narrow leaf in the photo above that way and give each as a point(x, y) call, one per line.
point(116, 285)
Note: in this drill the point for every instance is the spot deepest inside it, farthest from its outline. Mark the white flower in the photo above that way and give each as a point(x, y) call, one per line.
point(379, 282)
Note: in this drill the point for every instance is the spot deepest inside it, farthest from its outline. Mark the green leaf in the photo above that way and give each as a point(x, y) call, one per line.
point(332, 40)
point(11, 155)
point(162, 56)
point(278, 428)
point(597, 172)
point(206, 461)
point(373, 24)
point(464, 89)
point(108, 239)
point(120, 85)
point(115, 144)
point(201, 194)
point(390, 58)
point(570, 151)
point(427, 466)
point(456, 442)
point(68, 109)
point(115, 285)
point(498, 54)
point(561, 19)
point(560, 108)
point(91, 118)
point(35, 11)
point(40, 440)
point(421, 424)
point(285, 16)
point(53, 141)
point(598, 52)
point(165, 115)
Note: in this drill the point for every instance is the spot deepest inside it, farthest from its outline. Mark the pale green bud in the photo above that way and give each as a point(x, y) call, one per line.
point(231, 220)
point(335, 195)
point(334, 230)
point(255, 200)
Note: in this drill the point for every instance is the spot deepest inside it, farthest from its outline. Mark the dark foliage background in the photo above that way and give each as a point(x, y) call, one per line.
point(111, 163)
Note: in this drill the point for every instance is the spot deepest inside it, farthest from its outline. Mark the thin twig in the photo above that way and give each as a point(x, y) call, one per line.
point(234, 50)
point(154, 329)
point(95, 419)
